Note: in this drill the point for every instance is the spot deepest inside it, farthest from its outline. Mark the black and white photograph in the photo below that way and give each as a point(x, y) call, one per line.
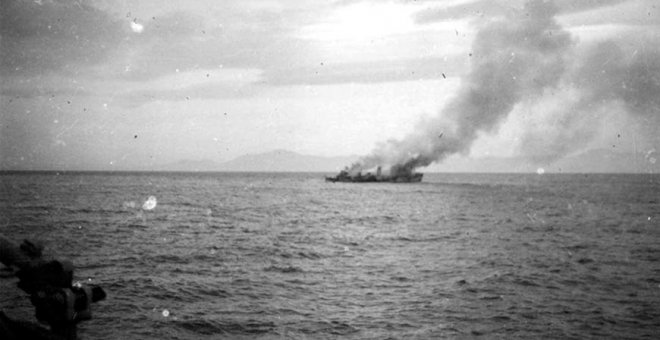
point(329, 169)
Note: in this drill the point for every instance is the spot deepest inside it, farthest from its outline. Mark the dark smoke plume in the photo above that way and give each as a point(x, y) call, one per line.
point(525, 60)
point(512, 58)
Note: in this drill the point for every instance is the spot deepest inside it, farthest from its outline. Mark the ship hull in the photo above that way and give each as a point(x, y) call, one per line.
point(414, 178)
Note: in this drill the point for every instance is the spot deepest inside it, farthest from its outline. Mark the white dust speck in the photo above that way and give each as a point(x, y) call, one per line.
point(540, 171)
point(166, 313)
point(150, 203)
point(137, 28)
point(346, 248)
point(652, 160)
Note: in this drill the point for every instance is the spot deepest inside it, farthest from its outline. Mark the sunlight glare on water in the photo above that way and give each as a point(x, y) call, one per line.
point(150, 203)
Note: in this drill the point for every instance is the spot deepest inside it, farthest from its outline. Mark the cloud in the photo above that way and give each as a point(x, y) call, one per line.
point(487, 8)
point(193, 85)
point(96, 45)
point(570, 6)
point(641, 14)
point(54, 36)
point(69, 37)
point(474, 9)
point(42, 86)
point(188, 42)
point(370, 72)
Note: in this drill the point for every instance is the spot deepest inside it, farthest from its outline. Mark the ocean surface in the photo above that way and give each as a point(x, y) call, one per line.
point(289, 256)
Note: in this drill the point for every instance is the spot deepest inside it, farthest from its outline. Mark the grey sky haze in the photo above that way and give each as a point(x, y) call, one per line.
point(120, 85)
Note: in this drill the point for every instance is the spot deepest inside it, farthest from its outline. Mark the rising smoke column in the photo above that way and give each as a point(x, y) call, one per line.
point(525, 62)
point(513, 58)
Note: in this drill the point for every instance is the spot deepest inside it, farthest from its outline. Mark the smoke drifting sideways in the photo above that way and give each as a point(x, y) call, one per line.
point(607, 82)
point(527, 61)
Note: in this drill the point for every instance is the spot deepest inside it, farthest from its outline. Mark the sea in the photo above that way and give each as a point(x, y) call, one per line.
point(290, 256)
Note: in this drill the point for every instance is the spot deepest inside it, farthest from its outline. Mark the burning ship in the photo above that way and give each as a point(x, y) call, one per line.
point(397, 174)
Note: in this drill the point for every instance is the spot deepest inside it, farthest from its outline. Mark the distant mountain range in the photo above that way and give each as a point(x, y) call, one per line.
point(592, 161)
point(273, 161)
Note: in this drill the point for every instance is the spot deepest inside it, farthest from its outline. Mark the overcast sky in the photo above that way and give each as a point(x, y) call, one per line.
point(105, 84)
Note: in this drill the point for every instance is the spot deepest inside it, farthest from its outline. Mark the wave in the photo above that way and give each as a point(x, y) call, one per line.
point(302, 254)
point(356, 263)
point(421, 239)
point(400, 278)
point(339, 328)
point(213, 327)
point(287, 269)
point(167, 258)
